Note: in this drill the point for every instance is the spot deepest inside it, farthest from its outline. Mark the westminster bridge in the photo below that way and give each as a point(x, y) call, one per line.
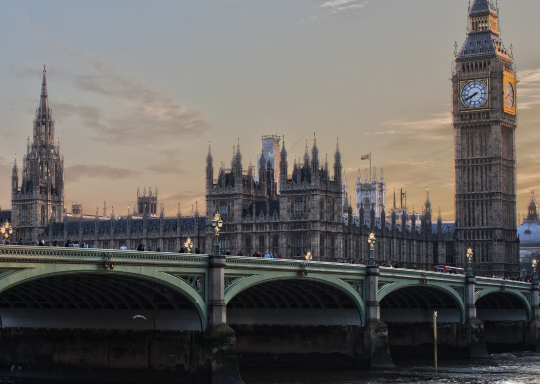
point(198, 317)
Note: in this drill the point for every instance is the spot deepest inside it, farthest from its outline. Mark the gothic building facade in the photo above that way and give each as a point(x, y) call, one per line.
point(271, 207)
point(306, 214)
point(484, 119)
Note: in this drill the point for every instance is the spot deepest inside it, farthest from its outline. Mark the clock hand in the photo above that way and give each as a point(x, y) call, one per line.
point(470, 97)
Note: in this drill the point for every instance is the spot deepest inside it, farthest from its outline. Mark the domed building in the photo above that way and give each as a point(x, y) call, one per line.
point(529, 236)
point(529, 229)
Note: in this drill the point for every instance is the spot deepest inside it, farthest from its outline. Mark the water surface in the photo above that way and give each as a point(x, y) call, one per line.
point(506, 368)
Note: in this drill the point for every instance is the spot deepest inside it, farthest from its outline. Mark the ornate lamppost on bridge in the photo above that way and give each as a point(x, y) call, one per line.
point(469, 257)
point(217, 223)
point(6, 231)
point(535, 275)
point(188, 245)
point(309, 257)
point(371, 241)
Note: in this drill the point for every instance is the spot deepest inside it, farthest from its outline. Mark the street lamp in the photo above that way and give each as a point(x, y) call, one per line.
point(469, 257)
point(6, 231)
point(535, 276)
point(217, 223)
point(308, 256)
point(188, 245)
point(371, 241)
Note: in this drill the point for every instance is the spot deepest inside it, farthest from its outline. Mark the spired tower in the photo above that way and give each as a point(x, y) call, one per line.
point(40, 198)
point(484, 119)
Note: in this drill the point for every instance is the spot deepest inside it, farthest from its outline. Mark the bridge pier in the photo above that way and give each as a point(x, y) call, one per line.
point(220, 339)
point(474, 335)
point(375, 348)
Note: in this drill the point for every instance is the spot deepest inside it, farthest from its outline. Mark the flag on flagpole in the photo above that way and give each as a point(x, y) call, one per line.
point(366, 157)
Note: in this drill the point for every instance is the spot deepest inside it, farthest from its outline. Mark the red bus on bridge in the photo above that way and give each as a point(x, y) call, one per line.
point(446, 269)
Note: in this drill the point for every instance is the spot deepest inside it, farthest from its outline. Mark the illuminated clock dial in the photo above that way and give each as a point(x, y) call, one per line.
point(509, 95)
point(474, 94)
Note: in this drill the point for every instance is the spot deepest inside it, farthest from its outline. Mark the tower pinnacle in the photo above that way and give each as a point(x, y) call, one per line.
point(44, 100)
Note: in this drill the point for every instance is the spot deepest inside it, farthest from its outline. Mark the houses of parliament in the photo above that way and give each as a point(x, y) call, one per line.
point(295, 208)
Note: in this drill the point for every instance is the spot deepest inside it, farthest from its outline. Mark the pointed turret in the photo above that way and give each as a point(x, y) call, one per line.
point(382, 176)
point(314, 157)
point(483, 33)
point(306, 157)
point(209, 170)
point(337, 165)
point(359, 179)
point(262, 171)
point(238, 161)
point(345, 194)
point(427, 208)
point(374, 176)
point(532, 208)
point(283, 165)
point(14, 178)
point(366, 181)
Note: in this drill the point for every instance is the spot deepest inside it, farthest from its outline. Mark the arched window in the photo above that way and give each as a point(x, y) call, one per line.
point(25, 213)
point(53, 215)
point(321, 210)
point(42, 221)
point(261, 244)
point(275, 244)
point(224, 209)
point(299, 207)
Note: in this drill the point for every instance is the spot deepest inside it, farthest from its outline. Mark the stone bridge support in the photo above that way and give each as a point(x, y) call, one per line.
point(376, 348)
point(474, 335)
point(220, 338)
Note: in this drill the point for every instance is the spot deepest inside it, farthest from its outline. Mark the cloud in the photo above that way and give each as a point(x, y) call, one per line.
point(135, 112)
point(76, 173)
point(337, 6)
point(167, 168)
point(529, 88)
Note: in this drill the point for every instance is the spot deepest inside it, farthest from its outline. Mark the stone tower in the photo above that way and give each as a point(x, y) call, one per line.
point(146, 204)
point(484, 119)
point(371, 194)
point(40, 198)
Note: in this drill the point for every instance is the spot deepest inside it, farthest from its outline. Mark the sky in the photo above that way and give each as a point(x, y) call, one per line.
point(139, 88)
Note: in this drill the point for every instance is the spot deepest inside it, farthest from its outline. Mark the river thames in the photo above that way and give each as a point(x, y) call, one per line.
point(506, 368)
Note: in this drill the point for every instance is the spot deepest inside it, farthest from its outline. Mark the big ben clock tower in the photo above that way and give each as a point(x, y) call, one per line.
point(484, 118)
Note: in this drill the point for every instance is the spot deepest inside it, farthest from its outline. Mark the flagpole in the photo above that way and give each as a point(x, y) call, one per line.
point(370, 166)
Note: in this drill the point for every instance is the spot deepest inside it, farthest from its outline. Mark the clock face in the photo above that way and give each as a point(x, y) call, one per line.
point(509, 95)
point(474, 94)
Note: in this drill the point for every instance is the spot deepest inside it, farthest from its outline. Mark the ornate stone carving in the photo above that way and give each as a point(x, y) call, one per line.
point(357, 285)
point(231, 281)
point(195, 281)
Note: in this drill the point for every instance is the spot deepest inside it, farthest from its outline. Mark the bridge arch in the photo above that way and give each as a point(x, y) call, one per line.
point(406, 301)
point(64, 293)
point(288, 298)
point(497, 305)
